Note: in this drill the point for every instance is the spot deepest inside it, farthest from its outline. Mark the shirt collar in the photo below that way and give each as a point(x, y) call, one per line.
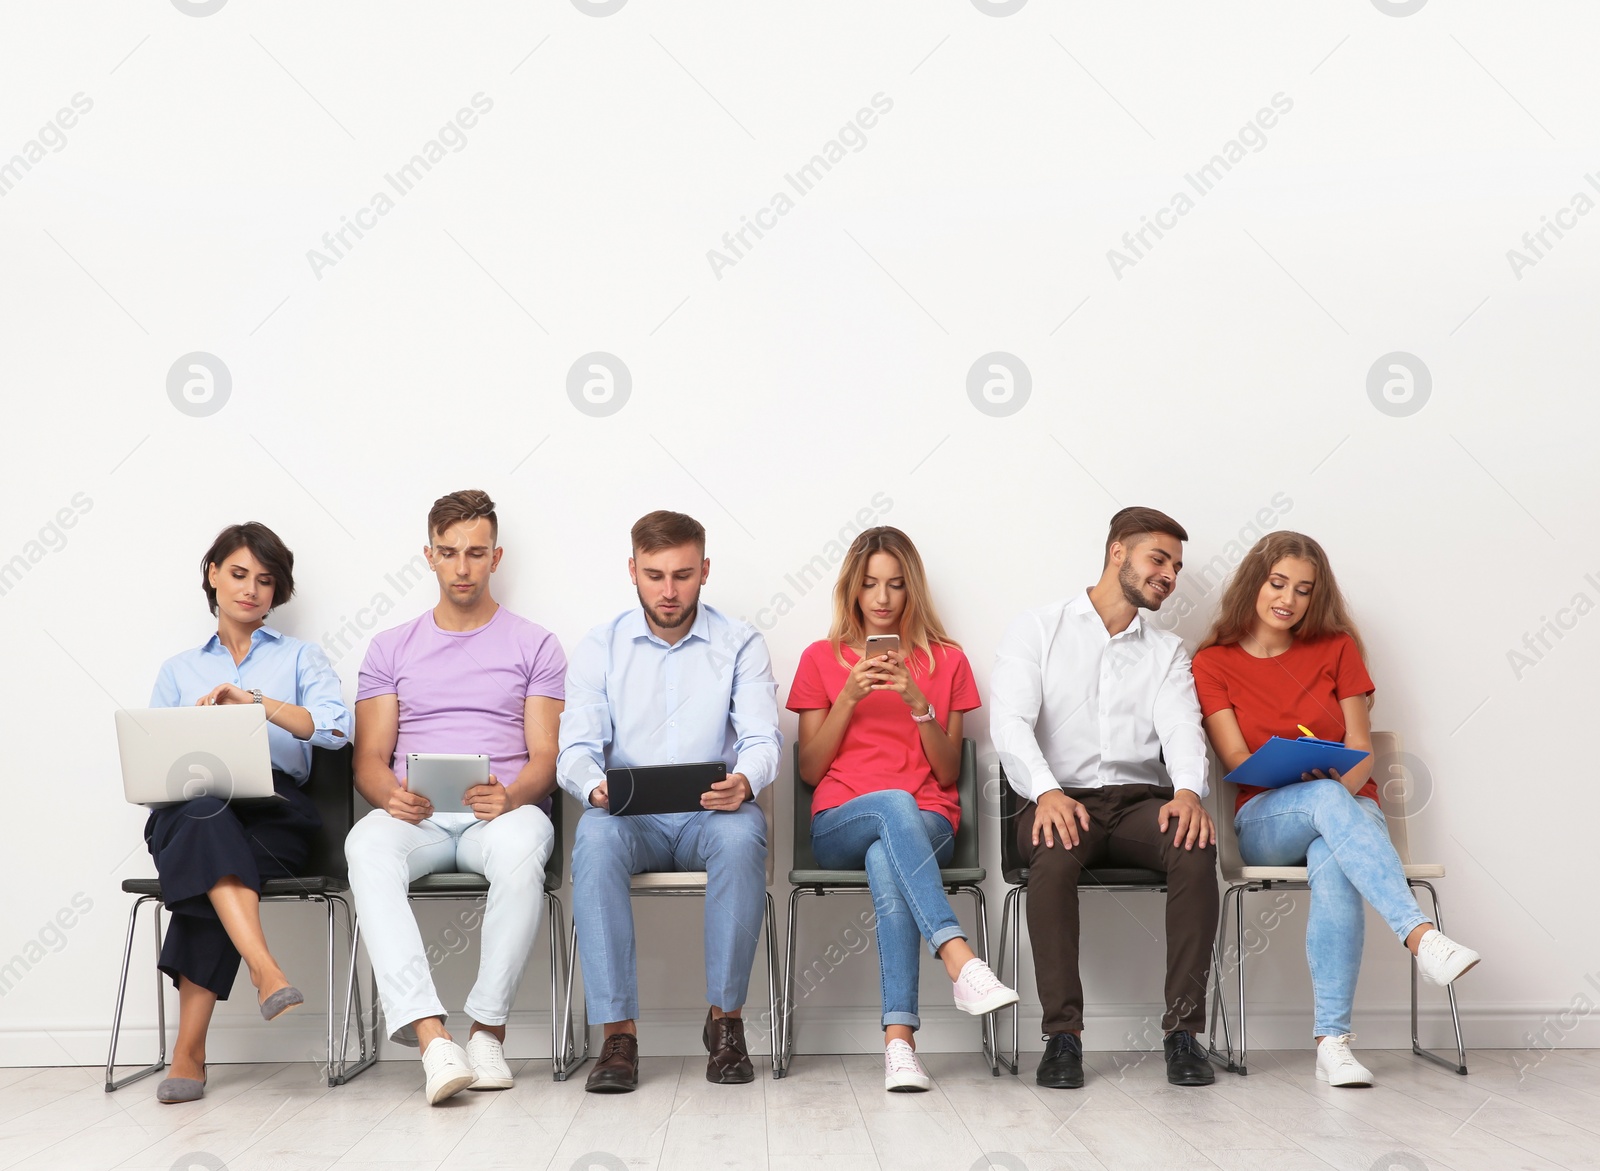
point(214, 643)
point(1080, 605)
point(635, 626)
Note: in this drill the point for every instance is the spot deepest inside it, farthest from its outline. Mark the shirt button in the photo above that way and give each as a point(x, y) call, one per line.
point(673, 724)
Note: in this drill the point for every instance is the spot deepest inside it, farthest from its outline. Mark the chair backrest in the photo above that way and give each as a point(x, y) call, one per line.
point(1394, 794)
point(555, 869)
point(1396, 789)
point(966, 848)
point(331, 787)
point(1011, 860)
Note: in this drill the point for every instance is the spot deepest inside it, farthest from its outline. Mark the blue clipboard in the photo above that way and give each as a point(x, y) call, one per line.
point(1281, 762)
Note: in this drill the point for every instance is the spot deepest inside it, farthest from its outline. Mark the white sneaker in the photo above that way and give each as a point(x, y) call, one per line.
point(1441, 960)
point(1337, 1066)
point(902, 1072)
point(447, 1068)
point(488, 1058)
point(978, 990)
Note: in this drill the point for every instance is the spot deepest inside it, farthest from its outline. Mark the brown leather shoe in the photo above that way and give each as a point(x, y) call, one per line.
point(616, 1070)
point(729, 1063)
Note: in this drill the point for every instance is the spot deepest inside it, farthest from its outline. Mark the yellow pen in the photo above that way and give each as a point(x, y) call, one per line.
point(1309, 733)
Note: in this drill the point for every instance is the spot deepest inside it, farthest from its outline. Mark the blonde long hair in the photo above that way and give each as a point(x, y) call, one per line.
point(920, 628)
point(1327, 614)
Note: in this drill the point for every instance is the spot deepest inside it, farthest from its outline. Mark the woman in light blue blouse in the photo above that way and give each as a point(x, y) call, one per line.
point(212, 855)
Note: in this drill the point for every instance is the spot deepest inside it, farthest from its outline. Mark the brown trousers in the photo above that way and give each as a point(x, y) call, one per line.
point(1122, 832)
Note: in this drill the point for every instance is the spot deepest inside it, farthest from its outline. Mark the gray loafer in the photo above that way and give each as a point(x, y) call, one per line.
point(281, 1002)
point(181, 1089)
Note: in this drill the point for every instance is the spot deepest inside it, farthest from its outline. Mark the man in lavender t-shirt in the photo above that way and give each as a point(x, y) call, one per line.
point(468, 676)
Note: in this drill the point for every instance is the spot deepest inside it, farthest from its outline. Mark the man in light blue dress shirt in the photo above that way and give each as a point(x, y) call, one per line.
point(672, 681)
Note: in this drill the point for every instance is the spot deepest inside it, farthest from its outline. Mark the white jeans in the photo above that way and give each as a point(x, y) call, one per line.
point(386, 854)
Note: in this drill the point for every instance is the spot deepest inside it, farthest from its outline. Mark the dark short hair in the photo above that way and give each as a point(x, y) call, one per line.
point(667, 530)
point(455, 507)
point(264, 545)
point(1138, 521)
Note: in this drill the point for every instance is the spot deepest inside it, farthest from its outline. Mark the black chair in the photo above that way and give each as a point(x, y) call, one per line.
point(1014, 869)
point(451, 885)
point(330, 788)
point(962, 876)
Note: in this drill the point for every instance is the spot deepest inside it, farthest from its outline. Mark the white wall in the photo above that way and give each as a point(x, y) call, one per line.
point(825, 372)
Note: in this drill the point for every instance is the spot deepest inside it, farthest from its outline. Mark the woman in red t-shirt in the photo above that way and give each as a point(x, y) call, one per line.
point(1283, 653)
point(880, 741)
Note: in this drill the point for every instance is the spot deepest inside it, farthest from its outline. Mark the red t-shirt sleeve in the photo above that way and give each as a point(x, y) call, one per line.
point(1350, 673)
point(963, 687)
point(807, 692)
point(1210, 683)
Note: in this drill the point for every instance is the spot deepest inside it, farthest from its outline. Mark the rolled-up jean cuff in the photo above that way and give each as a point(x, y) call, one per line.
point(909, 1019)
point(940, 938)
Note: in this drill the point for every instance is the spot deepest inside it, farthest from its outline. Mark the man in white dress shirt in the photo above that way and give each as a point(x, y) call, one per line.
point(1093, 712)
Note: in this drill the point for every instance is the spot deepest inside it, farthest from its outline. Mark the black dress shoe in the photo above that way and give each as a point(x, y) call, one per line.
point(729, 1063)
point(1061, 1067)
point(1186, 1060)
point(616, 1070)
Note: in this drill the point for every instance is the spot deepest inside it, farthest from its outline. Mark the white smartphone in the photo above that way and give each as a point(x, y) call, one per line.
point(882, 644)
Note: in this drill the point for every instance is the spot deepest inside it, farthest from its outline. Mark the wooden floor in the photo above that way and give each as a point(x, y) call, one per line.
point(830, 1113)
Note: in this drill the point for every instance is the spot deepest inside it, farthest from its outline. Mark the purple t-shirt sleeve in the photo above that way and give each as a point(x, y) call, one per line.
point(376, 676)
point(547, 675)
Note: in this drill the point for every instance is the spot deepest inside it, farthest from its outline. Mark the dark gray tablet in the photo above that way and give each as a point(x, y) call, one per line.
point(662, 788)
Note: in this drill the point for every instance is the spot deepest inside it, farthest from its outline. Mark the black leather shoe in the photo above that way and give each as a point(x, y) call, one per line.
point(1061, 1067)
point(729, 1063)
point(616, 1070)
point(1186, 1060)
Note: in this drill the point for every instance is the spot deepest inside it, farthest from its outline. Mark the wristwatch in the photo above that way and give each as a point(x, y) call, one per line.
point(257, 694)
point(923, 719)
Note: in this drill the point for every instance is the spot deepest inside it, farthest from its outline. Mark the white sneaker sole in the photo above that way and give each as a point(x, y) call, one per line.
point(487, 1082)
point(907, 1084)
point(1352, 1080)
point(450, 1087)
point(999, 998)
point(1443, 981)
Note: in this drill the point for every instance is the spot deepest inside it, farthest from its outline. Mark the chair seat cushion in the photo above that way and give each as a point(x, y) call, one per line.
point(958, 877)
point(464, 884)
point(1105, 876)
point(1300, 874)
point(669, 880)
point(270, 889)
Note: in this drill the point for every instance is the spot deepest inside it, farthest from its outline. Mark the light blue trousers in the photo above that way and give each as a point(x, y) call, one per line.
point(608, 851)
point(901, 848)
point(1344, 842)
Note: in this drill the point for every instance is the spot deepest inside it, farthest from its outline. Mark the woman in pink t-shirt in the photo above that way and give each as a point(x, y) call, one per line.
point(1283, 653)
point(880, 741)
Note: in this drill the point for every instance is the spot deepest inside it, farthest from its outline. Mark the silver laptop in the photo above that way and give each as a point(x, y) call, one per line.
point(174, 754)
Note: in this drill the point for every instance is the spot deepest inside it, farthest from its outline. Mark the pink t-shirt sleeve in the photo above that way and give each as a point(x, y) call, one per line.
point(963, 688)
point(1210, 685)
point(547, 675)
point(1350, 673)
point(376, 676)
point(807, 692)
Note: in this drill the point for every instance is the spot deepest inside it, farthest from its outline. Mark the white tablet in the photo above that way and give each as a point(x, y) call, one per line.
point(444, 777)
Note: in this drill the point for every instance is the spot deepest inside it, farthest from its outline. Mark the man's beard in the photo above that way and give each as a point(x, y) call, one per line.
point(686, 614)
point(1128, 579)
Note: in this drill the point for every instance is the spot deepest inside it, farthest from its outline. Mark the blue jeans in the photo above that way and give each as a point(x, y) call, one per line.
point(608, 851)
point(1344, 843)
point(901, 848)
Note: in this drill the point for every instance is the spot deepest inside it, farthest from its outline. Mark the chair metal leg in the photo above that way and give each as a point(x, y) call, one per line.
point(986, 1030)
point(573, 1059)
point(1238, 928)
point(346, 1070)
point(1011, 928)
point(1225, 1057)
point(774, 1016)
point(1460, 1063)
point(114, 1084)
point(787, 1038)
point(563, 1045)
